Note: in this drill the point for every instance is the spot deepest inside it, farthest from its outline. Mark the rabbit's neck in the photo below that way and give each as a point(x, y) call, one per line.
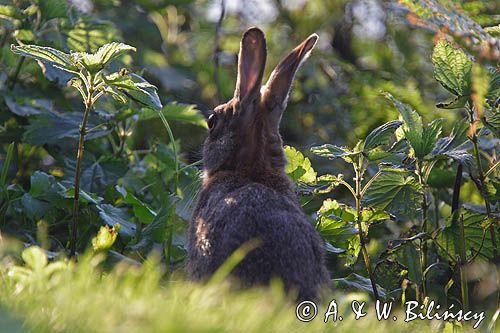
point(277, 181)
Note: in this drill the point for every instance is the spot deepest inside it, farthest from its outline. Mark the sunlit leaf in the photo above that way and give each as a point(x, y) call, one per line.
point(185, 113)
point(105, 238)
point(332, 152)
point(396, 192)
point(136, 88)
point(298, 167)
point(46, 54)
point(452, 68)
point(95, 62)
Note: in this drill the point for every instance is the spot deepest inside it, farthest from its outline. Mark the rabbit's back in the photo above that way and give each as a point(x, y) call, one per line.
point(232, 212)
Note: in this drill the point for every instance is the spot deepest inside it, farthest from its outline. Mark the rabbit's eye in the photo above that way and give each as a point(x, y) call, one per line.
point(212, 119)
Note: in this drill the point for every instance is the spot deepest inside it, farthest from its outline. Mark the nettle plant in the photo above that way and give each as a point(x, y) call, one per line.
point(407, 171)
point(92, 77)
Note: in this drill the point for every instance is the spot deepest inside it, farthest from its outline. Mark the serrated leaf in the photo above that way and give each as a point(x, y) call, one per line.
point(332, 152)
point(452, 68)
point(396, 192)
point(413, 128)
point(430, 136)
point(456, 102)
point(474, 228)
point(299, 167)
point(357, 282)
point(336, 225)
point(94, 62)
point(381, 135)
point(185, 113)
point(136, 88)
point(60, 59)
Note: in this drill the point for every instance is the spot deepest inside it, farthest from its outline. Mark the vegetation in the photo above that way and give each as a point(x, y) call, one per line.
point(395, 122)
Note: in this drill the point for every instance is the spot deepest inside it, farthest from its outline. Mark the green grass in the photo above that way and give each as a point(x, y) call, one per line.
point(82, 297)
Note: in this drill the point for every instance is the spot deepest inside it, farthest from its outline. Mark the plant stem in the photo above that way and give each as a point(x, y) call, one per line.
point(168, 255)
point(423, 243)
point(474, 140)
point(15, 74)
point(366, 257)
point(79, 157)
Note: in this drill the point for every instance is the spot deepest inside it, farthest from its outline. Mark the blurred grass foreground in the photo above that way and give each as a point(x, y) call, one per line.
point(61, 296)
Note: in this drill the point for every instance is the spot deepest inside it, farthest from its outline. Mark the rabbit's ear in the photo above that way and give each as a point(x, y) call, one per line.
point(275, 93)
point(251, 63)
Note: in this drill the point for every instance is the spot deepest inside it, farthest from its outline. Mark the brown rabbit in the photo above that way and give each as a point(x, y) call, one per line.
point(246, 194)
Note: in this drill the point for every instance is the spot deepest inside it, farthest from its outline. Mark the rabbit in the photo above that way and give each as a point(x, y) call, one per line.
point(246, 194)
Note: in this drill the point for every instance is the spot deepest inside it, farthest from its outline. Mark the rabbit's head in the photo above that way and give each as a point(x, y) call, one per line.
point(244, 132)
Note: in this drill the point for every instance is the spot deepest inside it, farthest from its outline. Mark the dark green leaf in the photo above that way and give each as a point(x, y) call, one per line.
point(396, 192)
point(381, 135)
point(136, 88)
point(357, 282)
point(142, 212)
point(113, 215)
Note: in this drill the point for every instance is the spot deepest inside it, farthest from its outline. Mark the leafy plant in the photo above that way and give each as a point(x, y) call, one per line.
point(92, 81)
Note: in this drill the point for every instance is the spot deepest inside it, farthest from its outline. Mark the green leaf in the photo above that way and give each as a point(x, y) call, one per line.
point(493, 31)
point(142, 212)
point(332, 152)
point(24, 35)
point(336, 225)
point(452, 68)
point(85, 197)
point(381, 135)
point(95, 62)
point(156, 231)
point(136, 88)
point(475, 225)
point(185, 113)
point(105, 238)
point(373, 216)
point(396, 192)
point(456, 102)
point(88, 35)
point(357, 282)
point(113, 215)
point(413, 127)
point(27, 106)
point(63, 126)
point(35, 258)
point(454, 146)
point(10, 13)
point(299, 167)
point(430, 136)
point(59, 59)
point(53, 9)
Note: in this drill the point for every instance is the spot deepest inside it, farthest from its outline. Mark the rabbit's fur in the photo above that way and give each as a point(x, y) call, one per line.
point(246, 194)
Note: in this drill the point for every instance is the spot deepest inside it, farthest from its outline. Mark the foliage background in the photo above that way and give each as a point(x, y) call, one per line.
point(189, 51)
